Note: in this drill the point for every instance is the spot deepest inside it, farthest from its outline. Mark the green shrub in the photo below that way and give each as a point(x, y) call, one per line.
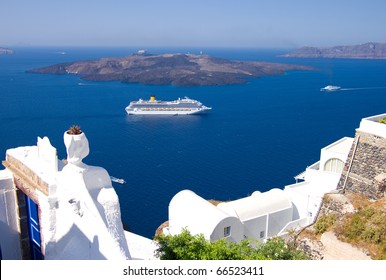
point(184, 246)
point(354, 227)
point(366, 228)
point(324, 222)
point(368, 224)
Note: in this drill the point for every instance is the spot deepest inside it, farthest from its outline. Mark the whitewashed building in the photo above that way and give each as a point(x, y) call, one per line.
point(262, 215)
point(51, 210)
point(188, 210)
point(318, 179)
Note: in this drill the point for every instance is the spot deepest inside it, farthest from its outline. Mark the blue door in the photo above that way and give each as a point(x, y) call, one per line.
point(34, 229)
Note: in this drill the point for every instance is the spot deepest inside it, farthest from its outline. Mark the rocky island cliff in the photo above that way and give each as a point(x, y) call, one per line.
point(363, 51)
point(170, 69)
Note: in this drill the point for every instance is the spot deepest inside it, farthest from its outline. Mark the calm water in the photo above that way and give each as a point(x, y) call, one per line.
point(258, 135)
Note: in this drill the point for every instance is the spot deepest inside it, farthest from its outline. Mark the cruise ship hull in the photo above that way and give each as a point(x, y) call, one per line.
point(184, 106)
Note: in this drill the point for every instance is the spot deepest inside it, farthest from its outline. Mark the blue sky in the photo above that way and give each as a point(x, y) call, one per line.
point(199, 23)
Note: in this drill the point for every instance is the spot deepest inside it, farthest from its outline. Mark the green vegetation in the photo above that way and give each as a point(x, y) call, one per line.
point(187, 247)
point(382, 120)
point(366, 227)
point(324, 223)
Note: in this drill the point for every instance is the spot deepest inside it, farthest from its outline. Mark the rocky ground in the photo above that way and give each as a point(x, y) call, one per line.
point(330, 245)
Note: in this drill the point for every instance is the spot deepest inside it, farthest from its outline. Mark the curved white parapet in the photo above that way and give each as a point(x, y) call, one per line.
point(89, 191)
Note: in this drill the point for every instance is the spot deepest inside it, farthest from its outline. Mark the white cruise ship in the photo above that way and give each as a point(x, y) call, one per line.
point(181, 106)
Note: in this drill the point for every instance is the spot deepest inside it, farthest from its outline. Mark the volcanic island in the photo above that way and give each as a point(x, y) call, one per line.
point(170, 69)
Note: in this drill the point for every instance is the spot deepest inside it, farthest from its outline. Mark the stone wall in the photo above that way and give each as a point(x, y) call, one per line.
point(367, 172)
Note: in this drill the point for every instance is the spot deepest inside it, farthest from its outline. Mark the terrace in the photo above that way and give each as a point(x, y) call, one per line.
point(374, 125)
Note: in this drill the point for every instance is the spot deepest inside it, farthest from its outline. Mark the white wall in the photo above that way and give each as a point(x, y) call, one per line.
point(237, 230)
point(278, 220)
point(80, 214)
point(341, 153)
point(188, 210)
point(88, 220)
point(253, 227)
point(306, 196)
point(9, 232)
point(370, 125)
point(299, 199)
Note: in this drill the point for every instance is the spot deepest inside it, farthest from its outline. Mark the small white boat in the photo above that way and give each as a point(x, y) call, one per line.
point(117, 180)
point(330, 88)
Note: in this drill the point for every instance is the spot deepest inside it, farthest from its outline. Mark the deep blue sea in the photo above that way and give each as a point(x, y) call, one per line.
point(257, 136)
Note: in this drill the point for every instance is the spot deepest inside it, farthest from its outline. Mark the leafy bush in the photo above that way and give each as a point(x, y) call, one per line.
point(324, 222)
point(184, 246)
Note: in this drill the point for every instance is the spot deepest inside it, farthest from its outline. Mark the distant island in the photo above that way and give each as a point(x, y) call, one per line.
point(170, 69)
point(363, 51)
point(6, 51)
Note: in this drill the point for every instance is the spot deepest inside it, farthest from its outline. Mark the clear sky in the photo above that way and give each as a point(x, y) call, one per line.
point(194, 23)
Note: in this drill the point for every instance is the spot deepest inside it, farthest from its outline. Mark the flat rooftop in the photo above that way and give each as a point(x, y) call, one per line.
point(342, 146)
point(373, 126)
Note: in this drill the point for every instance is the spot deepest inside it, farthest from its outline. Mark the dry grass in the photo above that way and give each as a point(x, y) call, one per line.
point(358, 200)
point(309, 234)
point(366, 228)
